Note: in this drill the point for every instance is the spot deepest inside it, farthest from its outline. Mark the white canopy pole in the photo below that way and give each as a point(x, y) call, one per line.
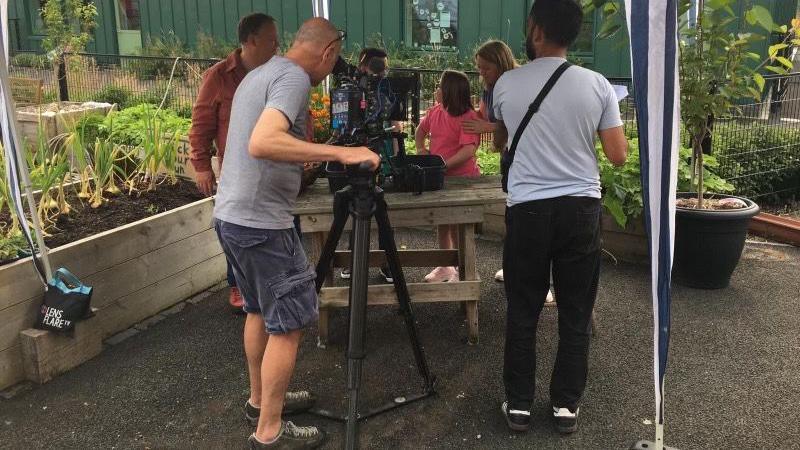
point(8, 118)
point(321, 8)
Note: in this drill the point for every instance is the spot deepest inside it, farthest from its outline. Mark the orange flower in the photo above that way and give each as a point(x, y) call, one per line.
point(315, 97)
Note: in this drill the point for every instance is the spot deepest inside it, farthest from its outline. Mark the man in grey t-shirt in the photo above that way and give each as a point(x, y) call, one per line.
point(264, 153)
point(553, 215)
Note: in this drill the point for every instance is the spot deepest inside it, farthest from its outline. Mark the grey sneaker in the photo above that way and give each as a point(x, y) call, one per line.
point(290, 437)
point(345, 274)
point(293, 403)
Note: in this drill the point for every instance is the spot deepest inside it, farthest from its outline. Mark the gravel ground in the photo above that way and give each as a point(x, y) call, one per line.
point(732, 379)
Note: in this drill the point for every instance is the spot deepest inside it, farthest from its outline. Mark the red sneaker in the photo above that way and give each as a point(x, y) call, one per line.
point(235, 299)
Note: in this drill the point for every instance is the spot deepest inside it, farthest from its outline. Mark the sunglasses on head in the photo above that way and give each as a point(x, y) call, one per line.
point(342, 36)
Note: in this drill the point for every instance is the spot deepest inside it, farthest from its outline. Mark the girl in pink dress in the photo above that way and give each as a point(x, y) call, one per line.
point(443, 125)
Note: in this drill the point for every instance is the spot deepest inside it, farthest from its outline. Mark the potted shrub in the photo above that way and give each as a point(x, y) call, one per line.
point(624, 235)
point(717, 70)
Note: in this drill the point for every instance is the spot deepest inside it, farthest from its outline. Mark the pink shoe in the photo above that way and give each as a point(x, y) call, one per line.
point(442, 275)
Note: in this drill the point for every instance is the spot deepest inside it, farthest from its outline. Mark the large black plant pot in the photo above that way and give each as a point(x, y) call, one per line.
point(709, 244)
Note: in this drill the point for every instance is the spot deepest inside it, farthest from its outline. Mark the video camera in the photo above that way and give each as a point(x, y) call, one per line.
point(363, 106)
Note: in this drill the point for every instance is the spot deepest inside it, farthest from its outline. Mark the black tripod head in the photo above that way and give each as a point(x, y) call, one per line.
point(361, 177)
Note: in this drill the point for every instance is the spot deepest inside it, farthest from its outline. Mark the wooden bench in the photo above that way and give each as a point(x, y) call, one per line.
point(27, 91)
point(461, 203)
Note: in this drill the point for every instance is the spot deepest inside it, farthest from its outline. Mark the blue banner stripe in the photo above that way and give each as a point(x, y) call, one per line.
point(665, 244)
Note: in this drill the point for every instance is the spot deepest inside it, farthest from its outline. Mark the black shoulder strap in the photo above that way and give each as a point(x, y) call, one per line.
point(534, 107)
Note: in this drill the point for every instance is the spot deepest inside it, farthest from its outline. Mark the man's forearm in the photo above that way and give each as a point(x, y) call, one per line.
point(285, 147)
point(500, 136)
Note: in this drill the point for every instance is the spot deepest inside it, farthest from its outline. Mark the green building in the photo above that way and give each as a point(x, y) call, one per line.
point(423, 25)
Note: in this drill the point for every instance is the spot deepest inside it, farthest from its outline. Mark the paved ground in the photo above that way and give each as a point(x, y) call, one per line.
point(733, 376)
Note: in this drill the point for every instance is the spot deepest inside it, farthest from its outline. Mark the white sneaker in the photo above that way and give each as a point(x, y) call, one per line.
point(499, 276)
point(550, 297)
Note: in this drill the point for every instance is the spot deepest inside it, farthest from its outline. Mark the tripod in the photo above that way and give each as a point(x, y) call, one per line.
point(362, 200)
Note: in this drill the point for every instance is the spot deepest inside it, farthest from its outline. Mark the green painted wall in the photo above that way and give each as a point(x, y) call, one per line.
point(363, 19)
point(188, 17)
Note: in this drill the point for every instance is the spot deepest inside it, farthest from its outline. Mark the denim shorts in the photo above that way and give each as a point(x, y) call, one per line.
point(273, 275)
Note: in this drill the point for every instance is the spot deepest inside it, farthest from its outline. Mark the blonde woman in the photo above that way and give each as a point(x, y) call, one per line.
point(492, 60)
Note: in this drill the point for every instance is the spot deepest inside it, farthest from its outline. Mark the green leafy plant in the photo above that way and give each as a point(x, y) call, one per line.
point(208, 46)
point(622, 186)
point(129, 126)
point(166, 48)
point(12, 244)
point(32, 60)
point(116, 95)
point(488, 161)
point(759, 160)
point(717, 65)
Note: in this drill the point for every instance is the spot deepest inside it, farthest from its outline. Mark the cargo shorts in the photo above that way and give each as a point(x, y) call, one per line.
point(273, 275)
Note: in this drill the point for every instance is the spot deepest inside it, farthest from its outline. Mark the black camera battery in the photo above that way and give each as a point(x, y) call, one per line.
point(348, 107)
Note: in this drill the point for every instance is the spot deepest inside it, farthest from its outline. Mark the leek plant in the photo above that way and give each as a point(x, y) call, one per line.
point(159, 152)
point(76, 143)
point(106, 169)
point(48, 170)
point(5, 197)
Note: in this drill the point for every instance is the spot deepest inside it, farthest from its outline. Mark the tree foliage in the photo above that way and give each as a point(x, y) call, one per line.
point(69, 25)
point(717, 65)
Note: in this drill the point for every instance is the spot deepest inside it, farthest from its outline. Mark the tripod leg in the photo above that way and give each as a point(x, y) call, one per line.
point(340, 213)
point(362, 207)
point(386, 236)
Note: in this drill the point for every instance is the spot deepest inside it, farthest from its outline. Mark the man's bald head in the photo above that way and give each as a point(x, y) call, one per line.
point(316, 48)
point(317, 32)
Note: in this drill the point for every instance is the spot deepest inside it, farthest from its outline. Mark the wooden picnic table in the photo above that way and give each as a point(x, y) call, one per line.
point(461, 203)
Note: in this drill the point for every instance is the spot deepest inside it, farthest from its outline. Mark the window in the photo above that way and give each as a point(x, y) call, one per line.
point(128, 11)
point(432, 24)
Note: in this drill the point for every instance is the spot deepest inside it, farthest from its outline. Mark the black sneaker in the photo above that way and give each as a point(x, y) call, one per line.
point(517, 420)
point(566, 420)
point(387, 274)
point(345, 274)
point(293, 403)
point(291, 437)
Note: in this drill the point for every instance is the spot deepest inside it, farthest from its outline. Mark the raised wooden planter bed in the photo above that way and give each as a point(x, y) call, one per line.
point(137, 270)
point(55, 117)
point(777, 228)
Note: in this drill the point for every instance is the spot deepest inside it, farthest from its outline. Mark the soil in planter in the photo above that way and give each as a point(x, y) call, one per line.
point(120, 210)
point(717, 204)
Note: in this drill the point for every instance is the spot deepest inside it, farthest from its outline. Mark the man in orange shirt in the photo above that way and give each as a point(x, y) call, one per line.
point(258, 35)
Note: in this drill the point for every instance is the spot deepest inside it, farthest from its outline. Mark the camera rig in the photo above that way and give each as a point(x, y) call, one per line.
point(364, 105)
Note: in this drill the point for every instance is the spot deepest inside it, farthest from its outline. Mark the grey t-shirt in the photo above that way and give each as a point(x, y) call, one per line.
point(556, 153)
point(259, 193)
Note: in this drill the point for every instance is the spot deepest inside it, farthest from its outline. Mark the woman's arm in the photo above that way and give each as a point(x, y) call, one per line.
point(463, 155)
point(419, 140)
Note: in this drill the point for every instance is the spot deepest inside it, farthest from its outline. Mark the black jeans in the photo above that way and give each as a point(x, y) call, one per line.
point(564, 232)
